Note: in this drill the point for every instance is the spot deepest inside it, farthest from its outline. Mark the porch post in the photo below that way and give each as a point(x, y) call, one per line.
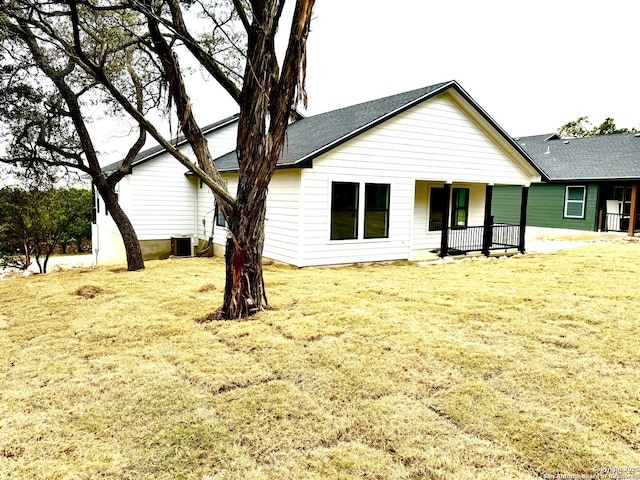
point(523, 216)
point(487, 233)
point(444, 233)
point(634, 209)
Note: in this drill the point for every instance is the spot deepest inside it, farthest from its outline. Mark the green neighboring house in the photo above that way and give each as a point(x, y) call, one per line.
point(592, 184)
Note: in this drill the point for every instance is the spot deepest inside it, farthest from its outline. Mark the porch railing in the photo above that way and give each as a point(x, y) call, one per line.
point(617, 222)
point(470, 239)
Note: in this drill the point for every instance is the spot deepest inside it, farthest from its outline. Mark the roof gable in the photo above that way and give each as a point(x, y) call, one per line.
point(311, 136)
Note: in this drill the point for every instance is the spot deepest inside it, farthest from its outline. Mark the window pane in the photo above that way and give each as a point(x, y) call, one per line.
point(220, 220)
point(462, 195)
point(460, 218)
point(460, 209)
point(344, 211)
point(344, 225)
point(436, 208)
point(575, 193)
point(376, 211)
point(574, 209)
point(345, 196)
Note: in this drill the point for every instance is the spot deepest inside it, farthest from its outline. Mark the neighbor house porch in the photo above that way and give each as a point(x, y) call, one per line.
point(618, 210)
point(452, 218)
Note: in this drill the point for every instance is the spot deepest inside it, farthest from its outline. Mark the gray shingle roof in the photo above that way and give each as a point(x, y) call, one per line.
point(605, 157)
point(153, 152)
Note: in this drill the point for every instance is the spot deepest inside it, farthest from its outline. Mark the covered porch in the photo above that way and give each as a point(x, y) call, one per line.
point(618, 210)
point(455, 218)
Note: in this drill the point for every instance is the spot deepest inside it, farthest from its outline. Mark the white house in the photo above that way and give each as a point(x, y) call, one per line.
point(390, 179)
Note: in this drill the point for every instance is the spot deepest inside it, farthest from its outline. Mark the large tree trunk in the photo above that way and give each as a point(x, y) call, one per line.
point(129, 236)
point(245, 292)
point(266, 102)
point(268, 95)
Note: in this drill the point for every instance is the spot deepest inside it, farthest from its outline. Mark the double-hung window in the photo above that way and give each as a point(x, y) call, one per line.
point(376, 210)
point(574, 201)
point(460, 208)
point(344, 210)
point(346, 207)
point(437, 204)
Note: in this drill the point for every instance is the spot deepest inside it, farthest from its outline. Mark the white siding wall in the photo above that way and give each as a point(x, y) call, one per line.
point(161, 201)
point(107, 245)
point(433, 141)
point(205, 212)
point(318, 249)
point(282, 225)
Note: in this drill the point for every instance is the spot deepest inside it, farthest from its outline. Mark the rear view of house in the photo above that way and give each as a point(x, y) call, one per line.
point(394, 178)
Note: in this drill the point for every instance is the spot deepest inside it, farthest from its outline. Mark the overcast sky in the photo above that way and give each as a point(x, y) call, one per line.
point(533, 66)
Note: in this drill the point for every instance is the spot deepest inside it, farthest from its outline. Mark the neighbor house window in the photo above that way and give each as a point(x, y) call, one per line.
point(220, 220)
point(574, 202)
point(437, 203)
point(376, 210)
point(344, 210)
point(460, 208)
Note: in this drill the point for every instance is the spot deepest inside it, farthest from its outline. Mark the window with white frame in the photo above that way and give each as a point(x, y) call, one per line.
point(575, 201)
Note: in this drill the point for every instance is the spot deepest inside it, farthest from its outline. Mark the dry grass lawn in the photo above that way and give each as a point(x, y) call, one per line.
point(516, 368)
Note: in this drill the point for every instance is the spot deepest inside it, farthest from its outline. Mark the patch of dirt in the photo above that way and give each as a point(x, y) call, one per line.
point(89, 291)
point(211, 317)
point(207, 288)
point(118, 270)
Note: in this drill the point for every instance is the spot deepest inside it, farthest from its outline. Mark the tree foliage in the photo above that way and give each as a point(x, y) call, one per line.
point(582, 127)
point(35, 223)
point(47, 110)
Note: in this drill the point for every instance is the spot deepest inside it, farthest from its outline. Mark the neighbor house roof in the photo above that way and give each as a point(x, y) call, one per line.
point(605, 157)
point(311, 136)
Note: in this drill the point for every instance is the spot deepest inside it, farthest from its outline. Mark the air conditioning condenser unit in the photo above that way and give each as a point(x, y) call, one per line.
point(181, 246)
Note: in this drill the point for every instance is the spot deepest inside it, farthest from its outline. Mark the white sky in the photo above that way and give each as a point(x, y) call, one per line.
point(533, 66)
